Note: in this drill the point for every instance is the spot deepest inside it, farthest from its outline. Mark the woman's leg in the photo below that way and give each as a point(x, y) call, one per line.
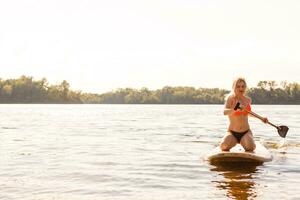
point(247, 141)
point(228, 142)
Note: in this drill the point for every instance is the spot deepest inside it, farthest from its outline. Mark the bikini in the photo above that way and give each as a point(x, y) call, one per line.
point(238, 135)
point(242, 112)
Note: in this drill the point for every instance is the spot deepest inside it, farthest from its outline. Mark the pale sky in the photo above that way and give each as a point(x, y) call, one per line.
point(100, 45)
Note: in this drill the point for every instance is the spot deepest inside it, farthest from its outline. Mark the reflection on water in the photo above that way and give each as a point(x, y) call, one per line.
point(148, 152)
point(282, 144)
point(236, 179)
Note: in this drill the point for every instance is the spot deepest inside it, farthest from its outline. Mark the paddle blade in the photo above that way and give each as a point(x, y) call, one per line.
point(282, 130)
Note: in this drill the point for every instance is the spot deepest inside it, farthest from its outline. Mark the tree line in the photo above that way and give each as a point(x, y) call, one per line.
point(27, 90)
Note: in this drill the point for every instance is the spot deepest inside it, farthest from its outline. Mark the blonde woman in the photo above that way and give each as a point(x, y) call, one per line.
point(239, 130)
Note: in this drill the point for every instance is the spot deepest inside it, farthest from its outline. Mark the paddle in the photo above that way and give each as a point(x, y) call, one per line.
point(282, 130)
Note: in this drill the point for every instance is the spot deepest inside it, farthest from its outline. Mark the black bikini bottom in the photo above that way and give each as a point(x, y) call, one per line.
point(238, 135)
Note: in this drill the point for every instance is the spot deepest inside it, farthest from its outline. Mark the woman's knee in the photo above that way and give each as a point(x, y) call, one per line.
point(227, 143)
point(224, 146)
point(250, 147)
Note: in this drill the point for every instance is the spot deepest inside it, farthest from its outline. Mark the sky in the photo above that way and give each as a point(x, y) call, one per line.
point(101, 45)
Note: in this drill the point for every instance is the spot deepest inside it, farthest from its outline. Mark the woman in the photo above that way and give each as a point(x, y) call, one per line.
point(239, 129)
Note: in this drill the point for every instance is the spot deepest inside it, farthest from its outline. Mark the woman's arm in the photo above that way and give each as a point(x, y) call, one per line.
point(264, 119)
point(228, 110)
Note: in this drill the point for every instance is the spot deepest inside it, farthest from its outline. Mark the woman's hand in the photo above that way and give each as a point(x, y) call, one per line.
point(242, 107)
point(265, 120)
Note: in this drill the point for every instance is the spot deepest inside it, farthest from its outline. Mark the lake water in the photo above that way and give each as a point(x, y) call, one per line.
point(139, 152)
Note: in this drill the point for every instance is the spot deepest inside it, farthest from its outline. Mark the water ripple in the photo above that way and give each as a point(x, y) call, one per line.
point(138, 152)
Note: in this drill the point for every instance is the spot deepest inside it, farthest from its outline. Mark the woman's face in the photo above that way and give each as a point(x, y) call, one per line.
point(240, 88)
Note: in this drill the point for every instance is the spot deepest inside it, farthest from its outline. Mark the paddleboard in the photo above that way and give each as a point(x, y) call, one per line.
point(238, 154)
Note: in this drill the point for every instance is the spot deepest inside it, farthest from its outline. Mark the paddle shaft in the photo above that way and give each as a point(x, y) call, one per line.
point(261, 118)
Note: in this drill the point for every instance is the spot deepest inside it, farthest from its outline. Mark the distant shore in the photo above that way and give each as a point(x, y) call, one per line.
point(26, 90)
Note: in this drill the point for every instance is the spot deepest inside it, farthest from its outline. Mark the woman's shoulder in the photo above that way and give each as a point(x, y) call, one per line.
point(249, 100)
point(230, 97)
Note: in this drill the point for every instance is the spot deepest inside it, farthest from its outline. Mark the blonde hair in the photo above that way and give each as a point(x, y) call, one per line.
point(235, 82)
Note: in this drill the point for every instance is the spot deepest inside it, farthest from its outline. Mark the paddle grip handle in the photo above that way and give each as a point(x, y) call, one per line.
point(237, 106)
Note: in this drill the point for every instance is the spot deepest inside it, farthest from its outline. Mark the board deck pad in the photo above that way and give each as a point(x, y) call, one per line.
point(238, 154)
